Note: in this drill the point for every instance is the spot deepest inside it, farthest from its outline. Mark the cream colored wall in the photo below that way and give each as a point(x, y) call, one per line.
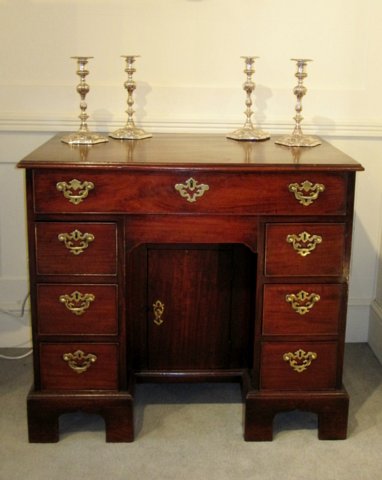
point(189, 79)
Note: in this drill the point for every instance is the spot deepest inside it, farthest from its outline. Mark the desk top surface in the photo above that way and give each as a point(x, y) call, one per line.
point(199, 151)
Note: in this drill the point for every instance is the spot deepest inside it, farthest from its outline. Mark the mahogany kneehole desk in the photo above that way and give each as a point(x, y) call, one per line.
point(188, 258)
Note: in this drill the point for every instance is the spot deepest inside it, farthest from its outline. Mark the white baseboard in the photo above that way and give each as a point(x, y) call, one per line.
point(375, 329)
point(191, 123)
point(357, 327)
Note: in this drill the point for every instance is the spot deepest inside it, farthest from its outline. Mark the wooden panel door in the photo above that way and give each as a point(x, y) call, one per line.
point(189, 303)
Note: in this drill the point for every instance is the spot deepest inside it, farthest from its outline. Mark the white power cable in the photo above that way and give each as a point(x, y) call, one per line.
point(13, 315)
point(18, 357)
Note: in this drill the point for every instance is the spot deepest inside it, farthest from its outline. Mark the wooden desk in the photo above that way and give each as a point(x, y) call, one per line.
point(188, 258)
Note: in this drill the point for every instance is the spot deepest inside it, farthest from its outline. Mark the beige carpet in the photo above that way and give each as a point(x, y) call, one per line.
point(194, 432)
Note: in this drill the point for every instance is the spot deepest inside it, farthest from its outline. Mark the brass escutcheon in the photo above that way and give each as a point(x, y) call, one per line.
point(158, 309)
point(300, 360)
point(76, 242)
point(306, 192)
point(302, 302)
point(77, 302)
point(75, 191)
point(191, 190)
point(304, 243)
point(79, 361)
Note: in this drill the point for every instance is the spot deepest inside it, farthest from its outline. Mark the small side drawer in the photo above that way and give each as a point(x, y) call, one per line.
point(310, 249)
point(76, 248)
point(184, 190)
point(80, 366)
point(298, 366)
point(77, 309)
point(302, 309)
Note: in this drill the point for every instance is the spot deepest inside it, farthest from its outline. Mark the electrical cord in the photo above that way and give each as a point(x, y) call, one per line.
point(18, 357)
point(6, 312)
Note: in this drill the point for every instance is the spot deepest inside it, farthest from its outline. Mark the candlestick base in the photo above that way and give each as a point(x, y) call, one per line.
point(84, 138)
point(248, 134)
point(130, 133)
point(298, 140)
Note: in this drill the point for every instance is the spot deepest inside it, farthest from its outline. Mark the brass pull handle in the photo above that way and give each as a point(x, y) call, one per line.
point(76, 242)
point(158, 309)
point(300, 360)
point(191, 190)
point(76, 302)
point(75, 191)
point(79, 361)
point(304, 243)
point(306, 192)
point(302, 302)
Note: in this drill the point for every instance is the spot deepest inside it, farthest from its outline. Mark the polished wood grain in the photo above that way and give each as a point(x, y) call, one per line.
point(167, 151)
point(229, 193)
point(57, 375)
point(279, 318)
point(277, 374)
point(193, 335)
point(281, 259)
point(53, 257)
point(221, 266)
point(100, 318)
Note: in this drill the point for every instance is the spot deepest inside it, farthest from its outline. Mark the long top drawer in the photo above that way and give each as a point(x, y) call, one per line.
point(190, 191)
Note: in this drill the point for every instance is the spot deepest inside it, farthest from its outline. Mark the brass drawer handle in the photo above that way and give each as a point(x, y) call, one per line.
point(76, 242)
point(306, 192)
point(299, 360)
point(75, 191)
point(79, 361)
point(302, 302)
point(158, 309)
point(76, 302)
point(191, 190)
point(304, 243)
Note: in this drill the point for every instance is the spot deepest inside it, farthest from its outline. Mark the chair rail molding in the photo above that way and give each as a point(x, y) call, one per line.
point(40, 122)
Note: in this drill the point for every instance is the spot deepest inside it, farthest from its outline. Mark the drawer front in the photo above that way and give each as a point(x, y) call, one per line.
point(79, 366)
point(77, 309)
point(297, 249)
point(190, 191)
point(76, 248)
point(302, 309)
point(298, 366)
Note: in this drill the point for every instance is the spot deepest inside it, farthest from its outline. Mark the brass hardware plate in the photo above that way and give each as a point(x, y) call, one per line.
point(302, 302)
point(76, 302)
point(75, 191)
point(304, 243)
point(79, 361)
point(76, 242)
point(191, 190)
point(158, 309)
point(306, 192)
point(300, 360)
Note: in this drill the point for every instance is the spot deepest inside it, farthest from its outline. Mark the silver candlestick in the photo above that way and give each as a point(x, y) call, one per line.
point(248, 131)
point(130, 131)
point(83, 136)
point(298, 139)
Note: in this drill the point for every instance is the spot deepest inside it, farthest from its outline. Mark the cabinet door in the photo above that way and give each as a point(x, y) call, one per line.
point(189, 304)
